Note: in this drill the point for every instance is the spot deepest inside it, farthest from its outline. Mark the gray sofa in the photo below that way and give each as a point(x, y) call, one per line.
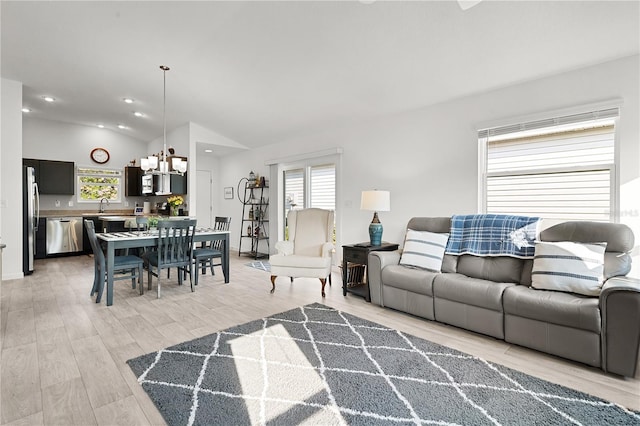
point(493, 296)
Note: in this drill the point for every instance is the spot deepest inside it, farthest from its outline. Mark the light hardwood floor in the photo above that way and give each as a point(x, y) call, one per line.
point(63, 355)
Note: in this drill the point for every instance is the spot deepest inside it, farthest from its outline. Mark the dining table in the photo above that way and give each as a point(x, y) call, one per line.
point(113, 241)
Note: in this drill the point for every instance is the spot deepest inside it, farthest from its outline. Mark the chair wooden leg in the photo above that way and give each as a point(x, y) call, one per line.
point(96, 280)
point(101, 284)
point(133, 278)
point(141, 277)
point(196, 270)
point(273, 283)
point(100, 290)
point(324, 282)
point(159, 273)
point(329, 279)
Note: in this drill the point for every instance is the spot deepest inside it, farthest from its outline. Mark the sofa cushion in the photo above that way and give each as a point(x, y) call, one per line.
point(424, 249)
point(567, 309)
point(619, 239)
point(569, 266)
point(500, 269)
point(471, 291)
point(411, 279)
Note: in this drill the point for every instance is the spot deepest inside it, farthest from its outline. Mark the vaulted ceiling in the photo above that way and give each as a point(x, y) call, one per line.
point(264, 72)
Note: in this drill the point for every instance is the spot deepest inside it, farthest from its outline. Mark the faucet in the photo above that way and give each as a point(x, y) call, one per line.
point(101, 206)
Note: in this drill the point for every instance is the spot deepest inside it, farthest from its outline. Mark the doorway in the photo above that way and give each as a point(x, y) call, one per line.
point(204, 206)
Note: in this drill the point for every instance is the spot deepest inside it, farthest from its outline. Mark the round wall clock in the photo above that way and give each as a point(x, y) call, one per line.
point(100, 155)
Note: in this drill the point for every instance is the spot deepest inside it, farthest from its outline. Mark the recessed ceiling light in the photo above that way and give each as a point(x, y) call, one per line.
point(100, 125)
point(138, 114)
point(25, 109)
point(49, 98)
point(128, 100)
point(208, 150)
point(122, 126)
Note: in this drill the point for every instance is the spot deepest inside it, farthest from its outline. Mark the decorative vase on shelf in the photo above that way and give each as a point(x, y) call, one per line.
point(174, 210)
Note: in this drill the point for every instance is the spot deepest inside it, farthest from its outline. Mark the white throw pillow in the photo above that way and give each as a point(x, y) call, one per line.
point(424, 249)
point(568, 266)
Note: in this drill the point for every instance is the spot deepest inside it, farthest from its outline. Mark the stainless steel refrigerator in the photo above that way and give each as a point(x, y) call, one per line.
point(31, 211)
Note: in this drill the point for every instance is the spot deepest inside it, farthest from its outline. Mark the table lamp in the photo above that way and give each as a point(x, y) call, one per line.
point(376, 201)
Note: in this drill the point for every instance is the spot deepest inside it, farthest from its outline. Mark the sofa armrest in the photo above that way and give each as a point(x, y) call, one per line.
point(377, 261)
point(620, 310)
point(284, 247)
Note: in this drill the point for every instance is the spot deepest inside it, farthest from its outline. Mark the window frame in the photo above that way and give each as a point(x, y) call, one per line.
point(483, 134)
point(117, 173)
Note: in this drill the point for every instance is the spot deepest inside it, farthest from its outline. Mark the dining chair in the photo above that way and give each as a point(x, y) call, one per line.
point(128, 266)
point(205, 255)
point(173, 250)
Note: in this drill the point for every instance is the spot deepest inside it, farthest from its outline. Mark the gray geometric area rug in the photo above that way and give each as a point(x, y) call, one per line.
point(262, 265)
point(317, 365)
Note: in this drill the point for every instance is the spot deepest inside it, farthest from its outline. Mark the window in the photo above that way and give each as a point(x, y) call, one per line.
point(310, 186)
point(313, 186)
point(562, 168)
point(95, 184)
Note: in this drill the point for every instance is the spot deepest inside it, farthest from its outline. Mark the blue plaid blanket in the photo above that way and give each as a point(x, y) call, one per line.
point(493, 235)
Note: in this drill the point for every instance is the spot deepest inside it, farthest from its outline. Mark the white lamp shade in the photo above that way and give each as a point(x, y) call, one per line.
point(144, 164)
point(377, 201)
point(179, 164)
point(153, 161)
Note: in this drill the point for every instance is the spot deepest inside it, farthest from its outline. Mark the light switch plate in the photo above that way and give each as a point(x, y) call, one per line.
point(70, 203)
point(57, 203)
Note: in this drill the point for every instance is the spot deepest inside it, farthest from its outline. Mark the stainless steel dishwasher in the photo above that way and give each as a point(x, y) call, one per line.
point(64, 235)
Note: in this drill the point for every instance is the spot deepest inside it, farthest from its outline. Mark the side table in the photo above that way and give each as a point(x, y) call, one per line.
point(355, 259)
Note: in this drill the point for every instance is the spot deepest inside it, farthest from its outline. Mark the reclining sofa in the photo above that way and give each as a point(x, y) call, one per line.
point(494, 296)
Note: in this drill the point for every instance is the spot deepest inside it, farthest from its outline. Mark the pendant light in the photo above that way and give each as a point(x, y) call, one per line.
point(152, 162)
point(164, 170)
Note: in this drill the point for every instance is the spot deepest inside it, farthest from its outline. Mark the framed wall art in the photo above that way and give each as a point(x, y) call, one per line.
point(228, 192)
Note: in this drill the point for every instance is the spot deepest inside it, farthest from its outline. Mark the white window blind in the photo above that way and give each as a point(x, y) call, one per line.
point(564, 172)
point(294, 189)
point(323, 187)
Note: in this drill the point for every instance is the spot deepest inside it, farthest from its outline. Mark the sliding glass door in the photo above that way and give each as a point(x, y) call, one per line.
point(309, 186)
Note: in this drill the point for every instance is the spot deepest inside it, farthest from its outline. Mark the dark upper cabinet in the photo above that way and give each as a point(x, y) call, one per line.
point(177, 184)
point(132, 181)
point(53, 177)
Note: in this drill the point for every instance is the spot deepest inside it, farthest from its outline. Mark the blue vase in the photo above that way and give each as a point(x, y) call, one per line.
point(375, 231)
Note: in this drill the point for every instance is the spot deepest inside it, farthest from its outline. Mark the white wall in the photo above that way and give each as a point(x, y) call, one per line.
point(56, 140)
point(11, 178)
point(428, 158)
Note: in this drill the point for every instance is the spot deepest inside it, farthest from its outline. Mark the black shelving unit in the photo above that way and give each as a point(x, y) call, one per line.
point(255, 222)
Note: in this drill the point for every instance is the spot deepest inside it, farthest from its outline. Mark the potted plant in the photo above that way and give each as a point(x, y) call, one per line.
point(153, 223)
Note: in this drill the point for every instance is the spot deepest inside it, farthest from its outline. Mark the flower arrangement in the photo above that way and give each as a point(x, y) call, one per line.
point(175, 201)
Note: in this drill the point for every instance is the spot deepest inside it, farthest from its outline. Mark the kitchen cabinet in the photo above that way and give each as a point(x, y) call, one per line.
point(53, 177)
point(177, 183)
point(132, 181)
